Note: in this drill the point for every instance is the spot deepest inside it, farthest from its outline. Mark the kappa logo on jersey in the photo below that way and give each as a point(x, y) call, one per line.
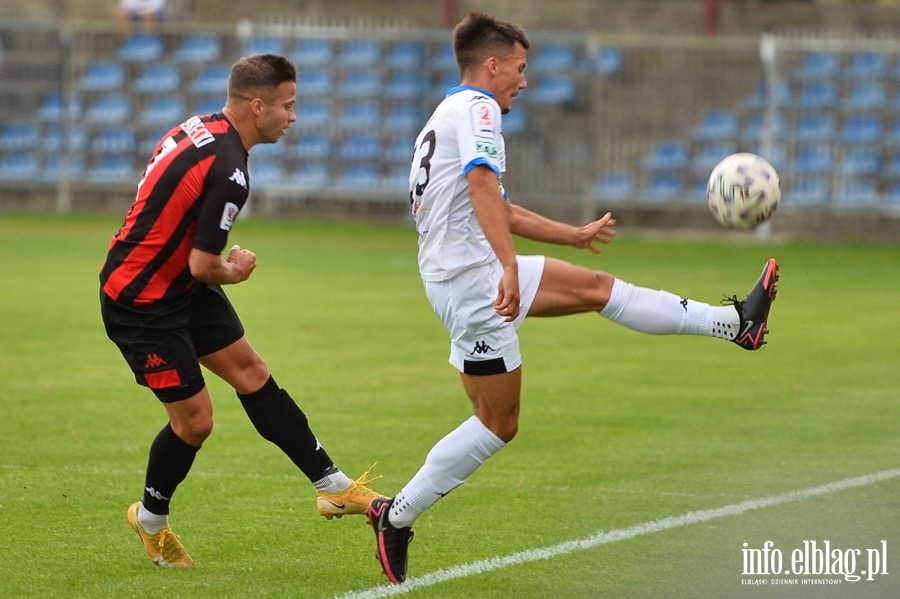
point(483, 119)
point(154, 361)
point(239, 178)
point(228, 215)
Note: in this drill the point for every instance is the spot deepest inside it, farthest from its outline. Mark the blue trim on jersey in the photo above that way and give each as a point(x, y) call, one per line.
point(480, 162)
point(460, 88)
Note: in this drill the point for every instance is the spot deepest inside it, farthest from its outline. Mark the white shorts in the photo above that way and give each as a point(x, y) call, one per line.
point(481, 342)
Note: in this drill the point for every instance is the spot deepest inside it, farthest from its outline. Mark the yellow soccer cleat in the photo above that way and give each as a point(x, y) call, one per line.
point(164, 547)
point(355, 499)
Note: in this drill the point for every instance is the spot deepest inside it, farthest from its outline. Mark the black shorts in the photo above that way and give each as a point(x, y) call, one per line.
point(163, 342)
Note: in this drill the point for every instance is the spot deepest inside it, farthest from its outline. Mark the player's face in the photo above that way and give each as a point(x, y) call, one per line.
point(510, 79)
point(278, 115)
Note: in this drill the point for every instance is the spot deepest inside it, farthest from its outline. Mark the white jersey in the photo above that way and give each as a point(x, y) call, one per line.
point(463, 132)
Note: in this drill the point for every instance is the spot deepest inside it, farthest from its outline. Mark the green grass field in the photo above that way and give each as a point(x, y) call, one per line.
point(617, 430)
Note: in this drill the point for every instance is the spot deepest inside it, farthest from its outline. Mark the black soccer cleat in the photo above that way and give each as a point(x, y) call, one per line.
point(392, 542)
point(753, 311)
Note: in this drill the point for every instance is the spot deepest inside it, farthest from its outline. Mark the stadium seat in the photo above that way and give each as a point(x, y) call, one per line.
point(55, 167)
point(359, 53)
point(812, 159)
point(400, 151)
point(211, 80)
point(608, 60)
point(52, 139)
point(514, 121)
point(265, 174)
point(158, 78)
point(818, 65)
point(209, 105)
point(164, 110)
point(861, 160)
point(862, 129)
point(312, 176)
point(663, 187)
point(19, 167)
point(141, 47)
point(404, 118)
point(753, 130)
point(360, 84)
point(717, 125)
point(361, 115)
point(114, 141)
point(444, 60)
point(360, 147)
point(865, 95)
point(856, 193)
point(780, 92)
point(710, 154)
point(397, 180)
point(892, 168)
point(815, 127)
point(445, 82)
point(315, 82)
point(313, 146)
point(405, 54)
point(666, 155)
point(617, 185)
point(359, 177)
point(109, 109)
point(264, 45)
point(552, 90)
point(19, 136)
point(311, 53)
point(555, 58)
point(817, 95)
point(113, 170)
point(807, 191)
point(404, 85)
point(198, 49)
point(314, 114)
point(102, 76)
point(866, 65)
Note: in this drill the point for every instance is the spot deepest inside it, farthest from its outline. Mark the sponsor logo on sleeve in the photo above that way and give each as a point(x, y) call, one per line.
point(228, 216)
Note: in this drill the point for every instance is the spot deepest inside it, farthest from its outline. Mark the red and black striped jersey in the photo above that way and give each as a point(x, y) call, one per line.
point(191, 191)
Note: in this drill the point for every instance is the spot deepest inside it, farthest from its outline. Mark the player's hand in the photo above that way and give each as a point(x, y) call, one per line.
point(507, 304)
point(598, 232)
point(244, 262)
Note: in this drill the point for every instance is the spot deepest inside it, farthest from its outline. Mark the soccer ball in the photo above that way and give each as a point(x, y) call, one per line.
point(743, 191)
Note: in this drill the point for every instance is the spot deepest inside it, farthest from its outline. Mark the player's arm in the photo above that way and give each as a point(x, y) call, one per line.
point(493, 214)
point(530, 225)
point(212, 269)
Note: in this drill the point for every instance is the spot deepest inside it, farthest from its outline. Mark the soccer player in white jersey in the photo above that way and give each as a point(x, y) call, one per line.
point(482, 290)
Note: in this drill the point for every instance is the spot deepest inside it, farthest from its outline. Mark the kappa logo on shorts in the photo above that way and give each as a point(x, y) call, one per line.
point(481, 347)
point(154, 361)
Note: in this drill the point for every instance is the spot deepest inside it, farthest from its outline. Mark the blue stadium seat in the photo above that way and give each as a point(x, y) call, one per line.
point(514, 121)
point(361, 115)
point(865, 95)
point(315, 82)
point(753, 129)
point(397, 180)
point(158, 78)
point(149, 140)
point(608, 60)
point(109, 109)
point(663, 187)
point(360, 84)
point(19, 167)
point(209, 105)
point(360, 53)
point(400, 151)
point(359, 177)
point(54, 168)
point(141, 47)
point(554, 58)
point(198, 49)
point(113, 170)
point(666, 155)
point(313, 52)
point(815, 127)
point(717, 125)
point(360, 147)
point(866, 65)
point(102, 76)
point(211, 80)
point(405, 54)
point(444, 60)
point(312, 146)
point(114, 141)
point(312, 176)
point(861, 160)
point(856, 193)
point(19, 136)
point(711, 153)
point(862, 129)
point(556, 89)
point(818, 65)
point(164, 110)
point(446, 82)
point(817, 94)
point(312, 115)
point(404, 85)
point(812, 159)
point(617, 185)
point(780, 92)
point(806, 191)
point(404, 118)
point(52, 139)
point(264, 45)
point(265, 174)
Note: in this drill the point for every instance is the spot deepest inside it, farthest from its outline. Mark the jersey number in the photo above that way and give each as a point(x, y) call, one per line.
point(423, 154)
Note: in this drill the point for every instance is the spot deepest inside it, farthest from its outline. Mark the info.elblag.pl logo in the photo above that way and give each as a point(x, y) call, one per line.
point(813, 563)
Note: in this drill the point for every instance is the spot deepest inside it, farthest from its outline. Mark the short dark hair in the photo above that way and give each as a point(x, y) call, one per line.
point(480, 36)
point(258, 75)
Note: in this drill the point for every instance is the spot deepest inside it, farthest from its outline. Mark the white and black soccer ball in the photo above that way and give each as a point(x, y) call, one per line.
point(743, 191)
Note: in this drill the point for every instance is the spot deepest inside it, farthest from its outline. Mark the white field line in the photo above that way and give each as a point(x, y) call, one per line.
point(622, 534)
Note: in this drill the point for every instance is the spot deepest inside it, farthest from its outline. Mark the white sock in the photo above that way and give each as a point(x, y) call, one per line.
point(447, 466)
point(150, 522)
point(333, 482)
point(663, 313)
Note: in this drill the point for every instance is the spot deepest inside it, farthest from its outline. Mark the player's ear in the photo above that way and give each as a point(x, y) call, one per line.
point(257, 106)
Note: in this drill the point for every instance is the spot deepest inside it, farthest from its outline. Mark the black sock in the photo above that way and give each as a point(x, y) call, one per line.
point(280, 420)
point(170, 461)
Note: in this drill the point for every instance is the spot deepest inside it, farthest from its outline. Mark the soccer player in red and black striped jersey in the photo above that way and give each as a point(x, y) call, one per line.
point(163, 304)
